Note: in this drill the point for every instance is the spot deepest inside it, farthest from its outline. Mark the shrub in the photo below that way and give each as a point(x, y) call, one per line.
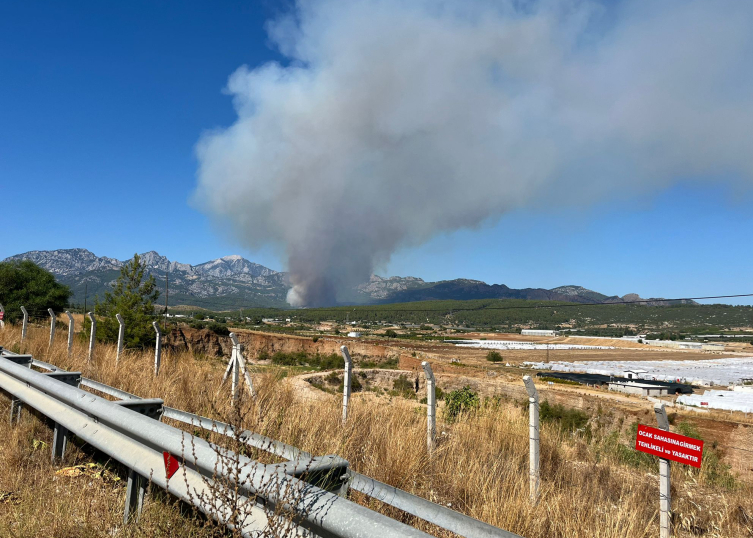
point(401, 384)
point(389, 364)
point(568, 419)
point(218, 328)
point(301, 358)
point(389, 333)
point(333, 379)
point(494, 356)
point(459, 402)
point(315, 339)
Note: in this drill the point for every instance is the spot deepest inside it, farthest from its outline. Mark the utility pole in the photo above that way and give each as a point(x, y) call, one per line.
point(167, 295)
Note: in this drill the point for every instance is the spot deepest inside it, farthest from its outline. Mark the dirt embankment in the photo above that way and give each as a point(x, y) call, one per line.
point(206, 342)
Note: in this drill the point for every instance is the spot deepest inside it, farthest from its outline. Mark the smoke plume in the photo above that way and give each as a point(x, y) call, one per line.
point(394, 120)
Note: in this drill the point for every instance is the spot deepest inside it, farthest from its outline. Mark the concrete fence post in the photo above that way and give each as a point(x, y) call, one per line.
point(534, 477)
point(431, 407)
point(240, 363)
point(2, 316)
point(665, 498)
point(25, 323)
point(121, 336)
point(52, 325)
point(157, 349)
point(70, 331)
point(92, 335)
point(236, 376)
point(235, 366)
point(348, 370)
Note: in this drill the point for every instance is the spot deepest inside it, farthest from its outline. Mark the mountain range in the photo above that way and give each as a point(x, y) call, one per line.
point(233, 282)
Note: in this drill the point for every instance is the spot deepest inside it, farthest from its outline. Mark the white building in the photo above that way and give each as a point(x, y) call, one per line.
point(639, 389)
point(634, 374)
point(539, 332)
point(354, 334)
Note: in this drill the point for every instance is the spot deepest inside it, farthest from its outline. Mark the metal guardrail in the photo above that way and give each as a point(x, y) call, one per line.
point(300, 462)
point(139, 442)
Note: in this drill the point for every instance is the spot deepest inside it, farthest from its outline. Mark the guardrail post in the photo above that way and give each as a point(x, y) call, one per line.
point(2, 316)
point(534, 478)
point(121, 335)
point(431, 407)
point(92, 336)
point(61, 434)
point(52, 325)
point(134, 501)
point(15, 403)
point(157, 349)
point(348, 370)
point(136, 489)
point(25, 323)
point(70, 331)
point(665, 498)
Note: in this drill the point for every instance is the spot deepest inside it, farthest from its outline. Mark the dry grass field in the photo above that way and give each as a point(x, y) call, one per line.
point(592, 483)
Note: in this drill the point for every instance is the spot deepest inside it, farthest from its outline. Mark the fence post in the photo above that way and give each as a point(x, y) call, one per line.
point(665, 499)
point(26, 323)
point(240, 362)
point(236, 376)
point(157, 349)
point(235, 365)
point(121, 336)
point(534, 478)
point(70, 332)
point(348, 370)
point(2, 316)
point(92, 335)
point(431, 407)
point(52, 325)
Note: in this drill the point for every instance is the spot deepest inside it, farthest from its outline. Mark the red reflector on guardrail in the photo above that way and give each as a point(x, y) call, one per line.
point(171, 464)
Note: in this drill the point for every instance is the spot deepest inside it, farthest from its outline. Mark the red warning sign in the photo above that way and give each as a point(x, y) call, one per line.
point(171, 464)
point(668, 445)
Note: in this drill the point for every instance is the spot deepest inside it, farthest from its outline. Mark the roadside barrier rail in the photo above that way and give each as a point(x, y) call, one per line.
point(324, 512)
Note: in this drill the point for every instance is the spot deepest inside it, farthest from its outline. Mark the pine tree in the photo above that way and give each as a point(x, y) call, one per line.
point(133, 297)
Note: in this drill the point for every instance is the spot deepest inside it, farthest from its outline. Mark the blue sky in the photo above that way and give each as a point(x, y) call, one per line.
point(102, 103)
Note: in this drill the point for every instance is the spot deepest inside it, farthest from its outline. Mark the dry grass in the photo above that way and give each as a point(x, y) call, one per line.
point(479, 467)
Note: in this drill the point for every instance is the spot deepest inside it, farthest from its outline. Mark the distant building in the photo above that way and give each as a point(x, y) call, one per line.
point(539, 332)
point(354, 334)
point(634, 374)
point(639, 389)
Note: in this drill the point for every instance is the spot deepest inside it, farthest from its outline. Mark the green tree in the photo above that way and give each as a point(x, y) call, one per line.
point(133, 297)
point(24, 283)
point(494, 356)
